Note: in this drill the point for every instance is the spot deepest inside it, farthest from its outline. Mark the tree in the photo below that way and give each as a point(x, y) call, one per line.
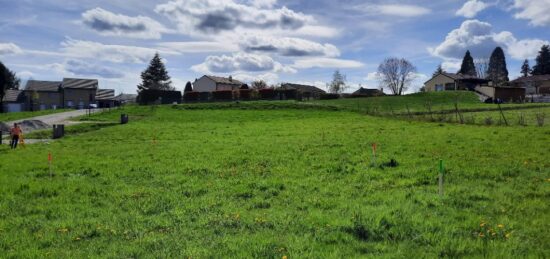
point(259, 84)
point(438, 71)
point(497, 71)
point(543, 61)
point(468, 67)
point(8, 80)
point(525, 69)
point(188, 87)
point(396, 74)
point(338, 84)
point(155, 77)
point(482, 66)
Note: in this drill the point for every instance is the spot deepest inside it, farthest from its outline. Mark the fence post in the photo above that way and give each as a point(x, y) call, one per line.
point(58, 131)
point(124, 119)
point(1, 137)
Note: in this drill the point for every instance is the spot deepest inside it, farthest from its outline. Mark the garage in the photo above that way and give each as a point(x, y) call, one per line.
point(13, 101)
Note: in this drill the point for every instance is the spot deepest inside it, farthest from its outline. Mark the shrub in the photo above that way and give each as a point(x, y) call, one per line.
point(223, 95)
point(191, 97)
point(286, 94)
point(329, 96)
point(267, 94)
point(245, 94)
point(146, 97)
point(204, 96)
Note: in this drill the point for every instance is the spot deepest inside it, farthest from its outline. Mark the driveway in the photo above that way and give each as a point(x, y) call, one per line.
point(51, 119)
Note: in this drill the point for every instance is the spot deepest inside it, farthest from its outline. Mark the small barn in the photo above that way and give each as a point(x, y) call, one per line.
point(105, 98)
point(13, 101)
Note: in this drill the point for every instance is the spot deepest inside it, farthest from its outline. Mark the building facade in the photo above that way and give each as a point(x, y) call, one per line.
point(215, 83)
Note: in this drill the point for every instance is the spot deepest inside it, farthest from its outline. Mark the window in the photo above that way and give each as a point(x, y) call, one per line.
point(450, 87)
point(439, 88)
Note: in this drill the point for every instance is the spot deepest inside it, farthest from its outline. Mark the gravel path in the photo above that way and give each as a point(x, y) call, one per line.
point(51, 119)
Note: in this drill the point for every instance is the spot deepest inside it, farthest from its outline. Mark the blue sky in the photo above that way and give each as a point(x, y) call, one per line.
point(274, 40)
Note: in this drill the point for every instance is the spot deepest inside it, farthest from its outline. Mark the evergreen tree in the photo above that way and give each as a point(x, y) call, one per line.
point(155, 77)
point(468, 67)
point(526, 69)
point(438, 71)
point(497, 71)
point(543, 62)
point(188, 87)
point(8, 80)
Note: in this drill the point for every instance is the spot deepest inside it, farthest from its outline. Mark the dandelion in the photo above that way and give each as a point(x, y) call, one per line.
point(482, 224)
point(285, 257)
point(500, 226)
point(63, 230)
point(507, 235)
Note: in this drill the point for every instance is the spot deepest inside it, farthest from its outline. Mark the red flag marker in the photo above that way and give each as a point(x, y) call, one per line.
point(49, 157)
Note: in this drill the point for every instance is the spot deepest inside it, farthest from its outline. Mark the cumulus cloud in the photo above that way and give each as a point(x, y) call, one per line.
point(111, 24)
point(112, 53)
point(536, 11)
point(241, 62)
point(82, 68)
point(199, 46)
point(215, 16)
point(326, 63)
point(471, 8)
point(479, 38)
point(400, 10)
point(290, 47)
point(263, 3)
point(9, 49)
point(269, 78)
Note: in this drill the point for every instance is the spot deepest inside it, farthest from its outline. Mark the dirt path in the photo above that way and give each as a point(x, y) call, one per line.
point(51, 119)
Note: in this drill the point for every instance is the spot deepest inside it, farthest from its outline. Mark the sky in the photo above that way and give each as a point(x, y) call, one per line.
point(273, 40)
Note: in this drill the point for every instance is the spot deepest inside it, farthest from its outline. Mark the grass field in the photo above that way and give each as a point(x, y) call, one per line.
point(23, 115)
point(270, 180)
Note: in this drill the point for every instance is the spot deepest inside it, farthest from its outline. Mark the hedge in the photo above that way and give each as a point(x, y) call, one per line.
point(223, 95)
point(329, 96)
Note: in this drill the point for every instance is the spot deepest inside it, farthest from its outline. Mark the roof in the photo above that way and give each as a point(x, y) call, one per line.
point(304, 88)
point(12, 95)
point(224, 80)
point(126, 97)
point(43, 86)
point(77, 83)
point(527, 79)
point(366, 91)
point(456, 76)
point(105, 94)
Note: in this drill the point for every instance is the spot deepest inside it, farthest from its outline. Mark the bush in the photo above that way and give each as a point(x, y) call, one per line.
point(286, 94)
point(267, 94)
point(223, 95)
point(330, 96)
point(204, 96)
point(245, 94)
point(155, 96)
point(191, 97)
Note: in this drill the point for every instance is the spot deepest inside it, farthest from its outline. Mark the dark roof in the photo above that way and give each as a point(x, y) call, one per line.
point(43, 86)
point(369, 92)
point(304, 88)
point(12, 95)
point(224, 80)
point(105, 94)
point(77, 83)
point(527, 79)
point(126, 97)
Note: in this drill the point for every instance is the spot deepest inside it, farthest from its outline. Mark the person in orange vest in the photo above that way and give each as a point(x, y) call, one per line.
point(15, 133)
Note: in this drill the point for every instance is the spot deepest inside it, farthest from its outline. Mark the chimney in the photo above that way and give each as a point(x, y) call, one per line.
point(230, 79)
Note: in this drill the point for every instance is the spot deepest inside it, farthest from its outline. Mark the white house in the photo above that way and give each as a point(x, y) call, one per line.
point(215, 83)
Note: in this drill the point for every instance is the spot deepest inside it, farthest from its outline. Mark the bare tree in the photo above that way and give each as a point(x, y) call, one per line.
point(482, 66)
point(396, 74)
point(338, 84)
point(259, 84)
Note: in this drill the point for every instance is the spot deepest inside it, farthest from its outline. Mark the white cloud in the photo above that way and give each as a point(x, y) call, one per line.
point(241, 62)
point(326, 63)
point(471, 8)
point(291, 47)
point(269, 78)
point(81, 68)
point(112, 53)
point(111, 24)
point(479, 38)
point(400, 10)
point(9, 49)
point(536, 11)
point(208, 17)
point(199, 46)
point(263, 3)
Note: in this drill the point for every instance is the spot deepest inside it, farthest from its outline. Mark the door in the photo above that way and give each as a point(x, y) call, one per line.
point(42, 107)
point(14, 107)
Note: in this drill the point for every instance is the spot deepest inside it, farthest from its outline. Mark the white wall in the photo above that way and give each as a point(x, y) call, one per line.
point(204, 84)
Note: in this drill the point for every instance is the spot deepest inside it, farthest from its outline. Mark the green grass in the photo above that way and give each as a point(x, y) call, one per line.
point(23, 115)
point(258, 182)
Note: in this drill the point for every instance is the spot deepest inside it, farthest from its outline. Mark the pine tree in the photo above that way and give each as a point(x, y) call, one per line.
point(8, 80)
point(438, 71)
point(188, 87)
point(543, 62)
point(526, 69)
point(155, 77)
point(497, 71)
point(468, 67)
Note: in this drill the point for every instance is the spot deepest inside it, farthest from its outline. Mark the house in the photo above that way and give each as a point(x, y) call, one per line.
point(307, 91)
point(42, 95)
point(126, 98)
point(365, 92)
point(215, 83)
point(534, 85)
point(13, 101)
point(79, 93)
point(105, 98)
point(452, 82)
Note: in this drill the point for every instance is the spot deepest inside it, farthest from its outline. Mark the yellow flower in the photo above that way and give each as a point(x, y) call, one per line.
point(507, 235)
point(482, 224)
point(63, 230)
point(500, 226)
point(285, 257)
